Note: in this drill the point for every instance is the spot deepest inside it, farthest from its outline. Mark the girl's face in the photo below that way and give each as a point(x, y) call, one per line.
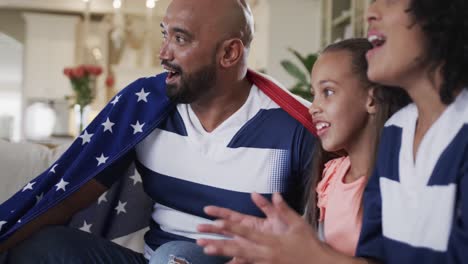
point(340, 110)
point(399, 43)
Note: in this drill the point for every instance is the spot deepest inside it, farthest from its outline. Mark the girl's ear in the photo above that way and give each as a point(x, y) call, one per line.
point(371, 104)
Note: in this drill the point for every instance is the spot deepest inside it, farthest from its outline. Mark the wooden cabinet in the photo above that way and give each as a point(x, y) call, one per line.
point(343, 19)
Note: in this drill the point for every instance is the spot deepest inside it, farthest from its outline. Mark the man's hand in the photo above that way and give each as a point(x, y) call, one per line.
point(283, 237)
point(59, 214)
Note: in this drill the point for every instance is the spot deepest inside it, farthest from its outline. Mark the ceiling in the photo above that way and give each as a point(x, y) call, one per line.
point(78, 6)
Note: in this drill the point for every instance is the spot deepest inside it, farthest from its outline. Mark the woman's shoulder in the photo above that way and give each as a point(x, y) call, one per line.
point(403, 116)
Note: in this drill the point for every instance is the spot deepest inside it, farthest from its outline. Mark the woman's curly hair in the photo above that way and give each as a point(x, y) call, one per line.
point(445, 24)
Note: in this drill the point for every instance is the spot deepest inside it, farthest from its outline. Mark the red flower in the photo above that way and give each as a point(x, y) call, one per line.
point(110, 81)
point(67, 72)
point(78, 72)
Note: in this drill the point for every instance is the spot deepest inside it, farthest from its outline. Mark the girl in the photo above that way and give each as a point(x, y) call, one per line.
point(416, 202)
point(348, 111)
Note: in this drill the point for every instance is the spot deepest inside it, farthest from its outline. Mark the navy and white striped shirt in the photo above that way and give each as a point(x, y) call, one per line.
point(260, 148)
point(416, 211)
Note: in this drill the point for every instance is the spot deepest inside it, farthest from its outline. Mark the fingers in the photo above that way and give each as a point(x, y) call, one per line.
point(228, 214)
point(237, 260)
point(265, 206)
point(248, 233)
point(229, 248)
point(212, 228)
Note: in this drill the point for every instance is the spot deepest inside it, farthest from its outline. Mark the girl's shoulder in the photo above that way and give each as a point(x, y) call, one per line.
point(330, 173)
point(329, 176)
point(332, 165)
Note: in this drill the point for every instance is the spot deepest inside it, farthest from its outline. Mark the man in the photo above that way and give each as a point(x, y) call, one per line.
point(203, 133)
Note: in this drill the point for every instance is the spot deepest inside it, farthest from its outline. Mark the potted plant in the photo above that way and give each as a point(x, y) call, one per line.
point(301, 73)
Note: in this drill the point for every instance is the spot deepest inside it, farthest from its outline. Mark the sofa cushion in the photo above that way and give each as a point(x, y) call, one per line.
point(19, 163)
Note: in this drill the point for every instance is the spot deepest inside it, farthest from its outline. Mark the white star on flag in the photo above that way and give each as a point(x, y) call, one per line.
point(108, 125)
point(39, 198)
point(61, 185)
point(86, 227)
point(142, 95)
point(53, 168)
point(121, 207)
point(136, 178)
point(102, 159)
point(116, 100)
point(28, 186)
point(86, 137)
point(1, 224)
point(137, 127)
point(102, 198)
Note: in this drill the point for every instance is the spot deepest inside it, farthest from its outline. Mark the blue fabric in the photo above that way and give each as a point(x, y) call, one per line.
point(451, 168)
point(70, 246)
point(80, 162)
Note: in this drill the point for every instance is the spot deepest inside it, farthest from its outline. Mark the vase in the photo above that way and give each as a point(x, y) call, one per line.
point(81, 117)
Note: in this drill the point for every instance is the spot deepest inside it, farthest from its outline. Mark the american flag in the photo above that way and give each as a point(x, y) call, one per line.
point(131, 115)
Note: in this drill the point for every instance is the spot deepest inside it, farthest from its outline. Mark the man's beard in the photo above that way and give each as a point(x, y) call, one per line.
point(192, 86)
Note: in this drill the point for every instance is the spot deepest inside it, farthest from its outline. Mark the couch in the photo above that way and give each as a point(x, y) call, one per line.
point(21, 162)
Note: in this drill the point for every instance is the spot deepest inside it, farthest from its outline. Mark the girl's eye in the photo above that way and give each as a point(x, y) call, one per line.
point(328, 92)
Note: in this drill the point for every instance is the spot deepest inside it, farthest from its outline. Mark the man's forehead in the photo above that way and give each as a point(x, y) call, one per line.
point(184, 14)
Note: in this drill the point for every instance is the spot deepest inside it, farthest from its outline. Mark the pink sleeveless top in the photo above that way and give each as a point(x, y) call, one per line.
point(339, 205)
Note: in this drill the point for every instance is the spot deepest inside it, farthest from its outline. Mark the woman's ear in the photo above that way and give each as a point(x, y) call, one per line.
point(371, 104)
point(232, 51)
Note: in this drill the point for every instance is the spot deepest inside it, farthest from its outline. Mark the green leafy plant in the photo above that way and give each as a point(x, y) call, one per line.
point(301, 73)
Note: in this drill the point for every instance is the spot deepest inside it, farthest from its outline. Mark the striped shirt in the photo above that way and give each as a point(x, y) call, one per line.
point(416, 211)
point(260, 148)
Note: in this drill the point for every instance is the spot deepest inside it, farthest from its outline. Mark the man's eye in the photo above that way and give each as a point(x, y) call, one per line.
point(180, 39)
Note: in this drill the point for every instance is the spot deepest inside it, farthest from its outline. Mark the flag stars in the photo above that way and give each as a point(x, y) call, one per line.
point(121, 208)
point(137, 127)
point(86, 137)
point(61, 185)
point(116, 100)
point(52, 170)
point(136, 178)
point(39, 197)
point(86, 227)
point(102, 198)
point(108, 125)
point(142, 95)
point(28, 186)
point(102, 159)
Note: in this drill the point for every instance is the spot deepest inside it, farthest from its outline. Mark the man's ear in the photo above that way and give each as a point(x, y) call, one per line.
point(371, 104)
point(232, 51)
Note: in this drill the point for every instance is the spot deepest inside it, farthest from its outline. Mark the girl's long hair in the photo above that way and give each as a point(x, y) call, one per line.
point(389, 100)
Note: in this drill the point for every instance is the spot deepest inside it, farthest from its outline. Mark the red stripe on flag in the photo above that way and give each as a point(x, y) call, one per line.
point(283, 99)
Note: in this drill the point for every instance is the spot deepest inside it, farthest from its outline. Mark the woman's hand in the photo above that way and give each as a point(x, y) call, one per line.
point(282, 237)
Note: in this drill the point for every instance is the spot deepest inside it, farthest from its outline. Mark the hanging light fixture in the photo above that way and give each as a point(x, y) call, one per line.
point(150, 3)
point(117, 4)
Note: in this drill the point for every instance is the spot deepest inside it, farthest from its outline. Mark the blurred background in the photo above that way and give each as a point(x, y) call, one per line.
point(61, 61)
